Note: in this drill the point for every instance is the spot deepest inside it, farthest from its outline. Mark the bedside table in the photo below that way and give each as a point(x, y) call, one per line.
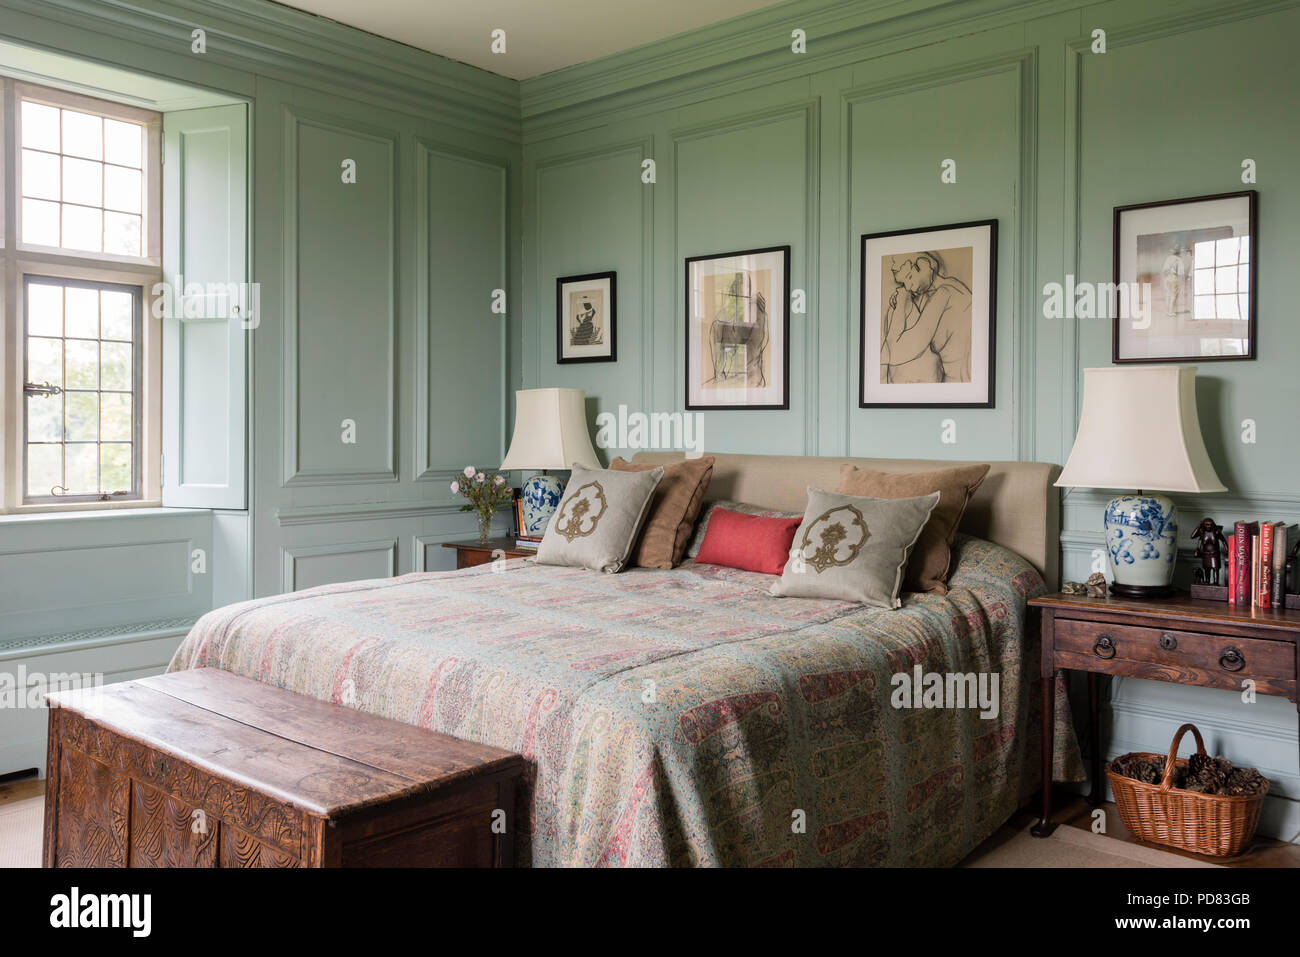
point(469, 554)
point(1188, 641)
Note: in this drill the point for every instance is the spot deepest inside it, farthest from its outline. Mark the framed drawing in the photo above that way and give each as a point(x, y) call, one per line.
point(928, 317)
point(1184, 274)
point(738, 330)
point(585, 318)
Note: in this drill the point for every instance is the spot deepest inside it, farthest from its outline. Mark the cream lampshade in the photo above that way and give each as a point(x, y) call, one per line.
point(1139, 430)
point(550, 433)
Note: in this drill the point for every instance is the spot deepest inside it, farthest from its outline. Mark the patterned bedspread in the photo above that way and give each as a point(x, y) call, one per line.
point(685, 716)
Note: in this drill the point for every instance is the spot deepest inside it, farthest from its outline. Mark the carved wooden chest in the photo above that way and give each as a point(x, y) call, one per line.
point(206, 769)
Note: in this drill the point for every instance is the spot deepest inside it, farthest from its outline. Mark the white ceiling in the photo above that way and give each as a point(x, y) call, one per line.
point(541, 35)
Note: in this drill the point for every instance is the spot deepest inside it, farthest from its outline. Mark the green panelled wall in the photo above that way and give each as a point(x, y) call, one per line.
point(755, 146)
point(375, 308)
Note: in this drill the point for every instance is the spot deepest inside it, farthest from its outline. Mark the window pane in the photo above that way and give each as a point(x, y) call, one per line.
point(82, 228)
point(122, 189)
point(115, 321)
point(122, 234)
point(83, 182)
point(81, 416)
point(44, 418)
point(1227, 251)
point(115, 467)
point(81, 366)
point(83, 135)
point(1203, 281)
point(44, 468)
point(40, 222)
point(40, 126)
point(1205, 307)
point(1227, 306)
point(44, 310)
point(1225, 279)
point(82, 313)
point(83, 469)
point(115, 365)
point(45, 361)
point(122, 142)
point(40, 175)
point(115, 417)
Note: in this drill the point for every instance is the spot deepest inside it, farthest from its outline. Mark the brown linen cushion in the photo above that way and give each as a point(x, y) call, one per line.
point(927, 566)
point(673, 510)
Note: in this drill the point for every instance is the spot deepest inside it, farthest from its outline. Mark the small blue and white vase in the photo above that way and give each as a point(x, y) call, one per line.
point(541, 497)
point(1142, 543)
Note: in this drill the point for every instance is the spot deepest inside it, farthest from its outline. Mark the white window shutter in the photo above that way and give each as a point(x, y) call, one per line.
point(206, 308)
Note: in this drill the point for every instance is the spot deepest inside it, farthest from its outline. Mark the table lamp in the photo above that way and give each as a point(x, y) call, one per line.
point(550, 433)
point(1139, 430)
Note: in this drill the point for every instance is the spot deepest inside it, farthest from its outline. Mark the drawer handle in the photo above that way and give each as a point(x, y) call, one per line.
point(1168, 642)
point(1232, 660)
point(1105, 647)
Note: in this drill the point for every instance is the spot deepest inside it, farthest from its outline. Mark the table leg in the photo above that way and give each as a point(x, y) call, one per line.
point(1096, 792)
point(1045, 826)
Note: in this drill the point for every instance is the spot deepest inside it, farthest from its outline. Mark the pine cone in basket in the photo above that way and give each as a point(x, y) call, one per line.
point(1244, 782)
point(1207, 775)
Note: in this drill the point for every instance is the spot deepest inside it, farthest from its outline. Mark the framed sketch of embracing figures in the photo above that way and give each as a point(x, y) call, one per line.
point(928, 317)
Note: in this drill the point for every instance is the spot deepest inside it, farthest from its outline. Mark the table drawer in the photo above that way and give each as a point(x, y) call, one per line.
point(1168, 654)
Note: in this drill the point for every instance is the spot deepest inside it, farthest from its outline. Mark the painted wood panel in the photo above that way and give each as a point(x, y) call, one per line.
point(340, 320)
point(313, 565)
point(463, 234)
point(592, 215)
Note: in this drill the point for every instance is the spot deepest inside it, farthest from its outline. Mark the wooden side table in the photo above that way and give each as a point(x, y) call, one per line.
point(469, 554)
point(1187, 641)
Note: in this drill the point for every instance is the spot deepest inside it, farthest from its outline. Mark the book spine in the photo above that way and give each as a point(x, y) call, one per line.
point(1265, 564)
point(1280, 543)
point(1241, 563)
point(1254, 571)
point(1231, 561)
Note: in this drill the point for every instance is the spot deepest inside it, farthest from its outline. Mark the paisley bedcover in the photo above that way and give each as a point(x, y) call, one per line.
point(684, 717)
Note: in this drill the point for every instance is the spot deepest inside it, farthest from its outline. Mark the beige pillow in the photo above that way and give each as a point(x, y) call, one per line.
point(599, 516)
point(673, 510)
point(853, 548)
point(927, 569)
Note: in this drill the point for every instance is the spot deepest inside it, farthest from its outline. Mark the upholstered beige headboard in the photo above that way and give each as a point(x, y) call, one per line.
point(1017, 506)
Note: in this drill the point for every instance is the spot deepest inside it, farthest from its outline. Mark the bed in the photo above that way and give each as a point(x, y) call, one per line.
point(687, 717)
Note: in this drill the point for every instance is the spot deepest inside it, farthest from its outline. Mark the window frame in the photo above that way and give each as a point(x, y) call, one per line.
point(19, 260)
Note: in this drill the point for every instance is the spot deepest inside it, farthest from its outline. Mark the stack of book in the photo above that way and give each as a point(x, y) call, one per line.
point(524, 543)
point(1257, 553)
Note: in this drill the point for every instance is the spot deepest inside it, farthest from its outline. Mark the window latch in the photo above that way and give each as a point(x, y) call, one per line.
point(31, 388)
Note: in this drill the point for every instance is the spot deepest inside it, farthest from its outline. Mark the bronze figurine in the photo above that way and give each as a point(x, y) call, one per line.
point(1208, 535)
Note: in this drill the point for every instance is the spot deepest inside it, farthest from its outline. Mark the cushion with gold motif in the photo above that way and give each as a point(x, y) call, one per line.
point(598, 518)
point(853, 548)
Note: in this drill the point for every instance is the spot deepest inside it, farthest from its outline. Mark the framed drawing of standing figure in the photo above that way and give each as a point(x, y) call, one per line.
point(738, 330)
point(928, 317)
point(585, 318)
point(1187, 269)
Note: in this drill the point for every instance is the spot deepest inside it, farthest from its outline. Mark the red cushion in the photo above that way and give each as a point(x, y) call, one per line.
point(752, 542)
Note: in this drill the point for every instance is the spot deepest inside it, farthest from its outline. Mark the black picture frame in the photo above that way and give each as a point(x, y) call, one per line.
point(560, 283)
point(784, 328)
point(991, 401)
point(1252, 199)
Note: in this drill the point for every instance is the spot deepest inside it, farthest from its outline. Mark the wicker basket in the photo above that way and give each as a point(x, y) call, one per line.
point(1214, 824)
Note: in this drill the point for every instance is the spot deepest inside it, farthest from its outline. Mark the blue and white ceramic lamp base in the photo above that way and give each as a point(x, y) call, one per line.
point(540, 498)
point(1141, 544)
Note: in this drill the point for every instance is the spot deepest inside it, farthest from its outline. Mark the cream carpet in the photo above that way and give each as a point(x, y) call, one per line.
point(20, 832)
point(1071, 847)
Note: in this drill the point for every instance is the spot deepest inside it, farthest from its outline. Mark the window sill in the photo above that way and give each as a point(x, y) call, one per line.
point(41, 514)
